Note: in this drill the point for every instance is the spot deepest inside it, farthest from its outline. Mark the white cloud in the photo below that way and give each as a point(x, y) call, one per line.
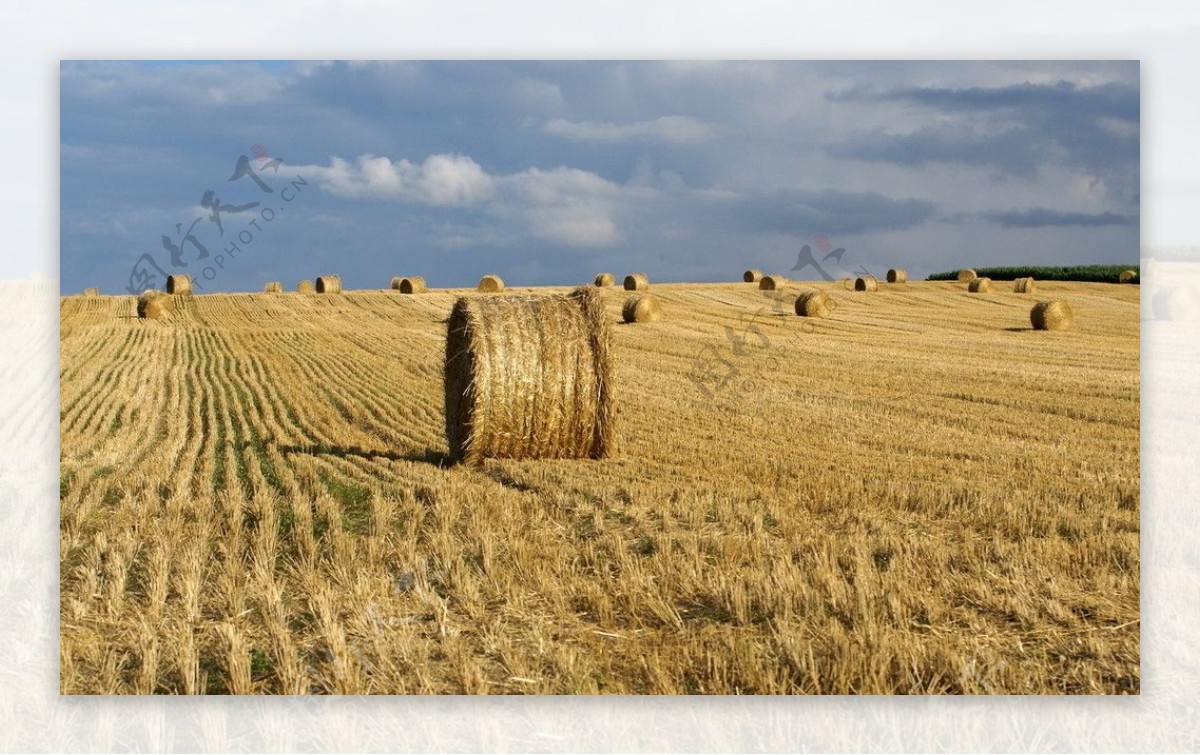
point(563, 205)
point(441, 180)
point(672, 129)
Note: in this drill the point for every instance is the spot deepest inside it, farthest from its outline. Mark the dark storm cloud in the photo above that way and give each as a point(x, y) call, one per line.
point(1012, 129)
point(828, 212)
point(1042, 218)
point(1013, 151)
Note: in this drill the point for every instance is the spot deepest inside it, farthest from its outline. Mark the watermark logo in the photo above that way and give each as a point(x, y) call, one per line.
point(187, 243)
point(807, 259)
point(731, 370)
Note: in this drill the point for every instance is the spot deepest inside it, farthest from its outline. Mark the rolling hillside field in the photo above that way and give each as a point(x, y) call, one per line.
point(918, 494)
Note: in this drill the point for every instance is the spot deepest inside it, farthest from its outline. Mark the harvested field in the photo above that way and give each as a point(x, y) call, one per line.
point(256, 498)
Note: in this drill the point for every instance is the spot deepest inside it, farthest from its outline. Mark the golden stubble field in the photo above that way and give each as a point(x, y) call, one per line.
point(917, 495)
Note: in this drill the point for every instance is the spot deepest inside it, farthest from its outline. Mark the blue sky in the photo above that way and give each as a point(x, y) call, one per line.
point(548, 172)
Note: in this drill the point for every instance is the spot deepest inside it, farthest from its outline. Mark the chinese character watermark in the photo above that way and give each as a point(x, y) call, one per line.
point(186, 242)
point(717, 371)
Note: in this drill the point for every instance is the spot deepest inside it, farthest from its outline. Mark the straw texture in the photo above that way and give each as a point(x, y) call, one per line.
point(529, 377)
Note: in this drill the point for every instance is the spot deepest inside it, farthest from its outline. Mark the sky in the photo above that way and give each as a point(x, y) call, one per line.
point(549, 172)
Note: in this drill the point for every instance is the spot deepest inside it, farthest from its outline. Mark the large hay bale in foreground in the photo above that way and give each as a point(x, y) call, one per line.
point(1051, 315)
point(642, 308)
point(866, 283)
point(1024, 286)
point(771, 283)
point(636, 282)
point(273, 287)
point(897, 275)
point(1128, 276)
point(604, 279)
point(752, 275)
point(179, 284)
point(153, 304)
point(304, 287)
point(815, 304)
point(490, 284)
point(529, 377)
point(411, 285)
point(980, 286)
point(966, 274)
point(329, 284)
point(91, 292)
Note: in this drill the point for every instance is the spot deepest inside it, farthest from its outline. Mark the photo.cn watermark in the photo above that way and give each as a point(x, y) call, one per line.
point(190, 242)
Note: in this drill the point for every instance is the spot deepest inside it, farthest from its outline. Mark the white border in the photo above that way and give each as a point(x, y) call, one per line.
point(1165, 36)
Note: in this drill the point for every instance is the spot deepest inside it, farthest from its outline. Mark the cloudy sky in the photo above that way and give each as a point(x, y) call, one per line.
point(547, 173)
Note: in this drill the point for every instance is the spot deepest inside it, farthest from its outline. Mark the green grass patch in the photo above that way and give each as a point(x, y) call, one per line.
point(355, 502)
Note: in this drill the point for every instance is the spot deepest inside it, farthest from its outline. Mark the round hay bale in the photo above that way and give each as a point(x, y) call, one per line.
point(1024, 286)
point(771, 283)
point(1051, 315)
point(1176, 304)
point(866, 283)
point(815, 304)
point(274, 287)
point(642, 308)
point(529, 377)
point(490, 284)
point(966, 275)
point(91, 292)
point(412, 285)
point(752, 276)
point(604, 279)
point(329, 284)
point(980, 286)
point(304, 287)
point(1128, 276)
point(179, 284)
point(636, 282)
point(897, 275)
point(153, 304)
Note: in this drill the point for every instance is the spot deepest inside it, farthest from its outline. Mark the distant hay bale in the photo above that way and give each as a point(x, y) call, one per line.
point(815, 304)
point(153, 304)
point(274, 287)
point(1051, 315)
point(866, 283)
point(642, 308)
point(529, 377)
point(636, 282)
point(980, 286)
point(1127, 276)
point(966, 275)
point(91, 292)
point(329, 284)
point(752, 276)
point(411, 285)
point(771, 283)
point(179, 284)
point(304, 287)
point(490, 284)
point(1024, 286)
point(897, 275)
point(604, 279)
